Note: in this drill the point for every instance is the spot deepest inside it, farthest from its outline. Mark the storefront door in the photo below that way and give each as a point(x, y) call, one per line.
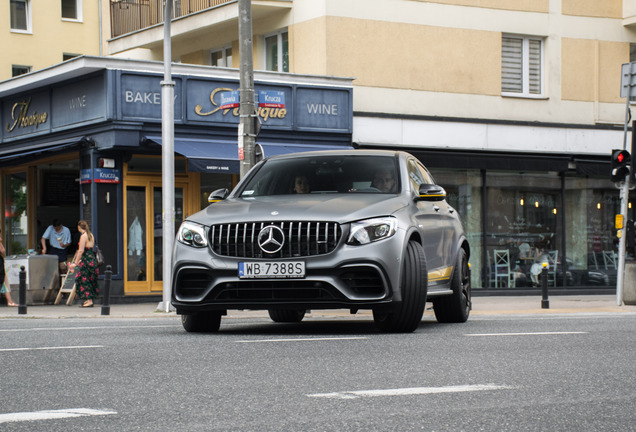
point(144, 233)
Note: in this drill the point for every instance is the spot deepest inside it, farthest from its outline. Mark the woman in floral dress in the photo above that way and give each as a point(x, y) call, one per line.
point(86, 282)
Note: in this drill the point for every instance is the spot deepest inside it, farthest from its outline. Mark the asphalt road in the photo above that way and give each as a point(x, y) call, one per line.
point(494, 373)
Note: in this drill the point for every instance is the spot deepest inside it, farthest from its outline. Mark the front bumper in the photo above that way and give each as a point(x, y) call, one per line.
point(354, 277)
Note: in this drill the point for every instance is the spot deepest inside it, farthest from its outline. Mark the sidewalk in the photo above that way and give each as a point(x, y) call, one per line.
point(482, 306)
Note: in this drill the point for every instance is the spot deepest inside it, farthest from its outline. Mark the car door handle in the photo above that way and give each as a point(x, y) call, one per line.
point(436, 208)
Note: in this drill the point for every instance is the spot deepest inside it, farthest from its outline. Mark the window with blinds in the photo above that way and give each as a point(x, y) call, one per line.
point(521, 65)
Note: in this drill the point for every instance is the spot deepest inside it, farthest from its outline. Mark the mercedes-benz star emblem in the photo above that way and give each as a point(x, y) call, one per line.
point(271, 239)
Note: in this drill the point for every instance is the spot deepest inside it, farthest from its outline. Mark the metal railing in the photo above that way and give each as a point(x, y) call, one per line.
point(127, 16)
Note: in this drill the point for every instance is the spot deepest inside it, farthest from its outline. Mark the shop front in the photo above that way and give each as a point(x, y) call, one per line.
point(521, 210)
point(82, 140)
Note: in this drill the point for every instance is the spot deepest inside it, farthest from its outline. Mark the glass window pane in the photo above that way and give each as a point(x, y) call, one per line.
point(534, 64)
point(69, 9)
point(524, 222)
point(592, 244)
point(228, 57)
point(512, 65)
point(136, 225)
point(18, 10)
point(271, 53)
point(285, 44)
point(216, 59)
point(15, 208)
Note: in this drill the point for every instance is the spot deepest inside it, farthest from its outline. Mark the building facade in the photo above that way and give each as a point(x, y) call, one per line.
point(514, 105)
point(82, 140)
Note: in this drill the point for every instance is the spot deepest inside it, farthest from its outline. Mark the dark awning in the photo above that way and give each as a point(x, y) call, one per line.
point(17, 157)
point(221, 156)
point(467, 159)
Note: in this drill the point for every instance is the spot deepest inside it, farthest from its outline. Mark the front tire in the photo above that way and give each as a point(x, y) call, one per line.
point(286, 315)
point(407, 316)
point(201, 322)
point(455, 308)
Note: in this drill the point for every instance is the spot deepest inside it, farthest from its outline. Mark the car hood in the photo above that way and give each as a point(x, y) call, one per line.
point(339, 208)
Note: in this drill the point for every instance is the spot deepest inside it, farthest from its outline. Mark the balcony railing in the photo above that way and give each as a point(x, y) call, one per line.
point(127, 16)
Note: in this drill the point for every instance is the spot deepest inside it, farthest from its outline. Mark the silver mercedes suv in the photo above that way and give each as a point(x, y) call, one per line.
point(353, 229)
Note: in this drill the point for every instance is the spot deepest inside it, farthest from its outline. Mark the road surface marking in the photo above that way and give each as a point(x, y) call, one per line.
point(301, 339)
point(525, 334)
point(85, 328)
point(51, 348)
point(53, 414)
point(409, 391)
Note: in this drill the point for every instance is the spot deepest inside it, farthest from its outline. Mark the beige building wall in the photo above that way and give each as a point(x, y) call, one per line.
point(593, 8)
point(50, 37)
point(517, 5)
point(410, 56)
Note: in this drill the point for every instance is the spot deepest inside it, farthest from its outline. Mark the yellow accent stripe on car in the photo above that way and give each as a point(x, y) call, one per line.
point(438, 275)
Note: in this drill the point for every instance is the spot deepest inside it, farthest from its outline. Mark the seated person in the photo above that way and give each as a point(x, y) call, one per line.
point(301, 185)
point(384, 181)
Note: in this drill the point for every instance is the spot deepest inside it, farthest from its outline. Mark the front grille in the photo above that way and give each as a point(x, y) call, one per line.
point(301, 239)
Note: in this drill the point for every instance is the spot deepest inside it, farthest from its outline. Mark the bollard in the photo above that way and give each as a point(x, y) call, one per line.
point(22, 309)
point(106, 296)
point(545, 303)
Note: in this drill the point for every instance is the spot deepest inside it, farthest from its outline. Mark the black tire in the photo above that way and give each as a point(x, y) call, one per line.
point(208, 322)
point(286, 315)
point(406, 316)
point(455, 308)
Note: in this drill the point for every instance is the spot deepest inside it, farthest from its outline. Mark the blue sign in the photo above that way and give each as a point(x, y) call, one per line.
point(229, 99)
point(100, 175)
point(106, 175)
point(141, 97)
point(271, 99)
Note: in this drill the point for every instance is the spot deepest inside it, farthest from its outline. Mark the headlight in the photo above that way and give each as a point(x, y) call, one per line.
point(371, 230)
point(192, 234)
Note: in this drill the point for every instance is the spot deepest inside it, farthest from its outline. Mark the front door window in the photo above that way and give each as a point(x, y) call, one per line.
point(144, 234)
point(15, 217)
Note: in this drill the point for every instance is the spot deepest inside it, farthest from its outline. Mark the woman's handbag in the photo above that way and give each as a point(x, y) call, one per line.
point(98, 255)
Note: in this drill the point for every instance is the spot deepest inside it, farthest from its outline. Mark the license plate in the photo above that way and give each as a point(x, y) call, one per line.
point(271, 269)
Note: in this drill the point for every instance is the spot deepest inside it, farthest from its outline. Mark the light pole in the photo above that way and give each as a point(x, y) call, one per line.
point(167, 160)
point(247, 125)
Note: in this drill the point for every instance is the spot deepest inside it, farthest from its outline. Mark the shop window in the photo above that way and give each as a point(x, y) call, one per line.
point(524, 225)
point(222, 57)
point(592, 243)
point(20, 11)
point(277, 52)
point(521, 66)
point(17, 70)
point(72, 10)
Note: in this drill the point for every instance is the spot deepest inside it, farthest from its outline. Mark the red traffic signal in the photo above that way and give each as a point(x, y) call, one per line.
point(621, 165)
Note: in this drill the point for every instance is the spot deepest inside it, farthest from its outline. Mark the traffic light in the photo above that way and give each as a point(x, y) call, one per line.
point(621, 165)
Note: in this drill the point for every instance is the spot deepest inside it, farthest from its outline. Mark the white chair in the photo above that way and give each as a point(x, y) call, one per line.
point(609, 259)
point(553, 258)
point(502, 274)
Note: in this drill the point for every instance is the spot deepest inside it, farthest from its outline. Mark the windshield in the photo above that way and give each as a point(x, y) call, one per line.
point(325, 174)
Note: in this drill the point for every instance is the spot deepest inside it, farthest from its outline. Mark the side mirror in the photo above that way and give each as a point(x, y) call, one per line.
point(218, 195)
point(429, 192)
